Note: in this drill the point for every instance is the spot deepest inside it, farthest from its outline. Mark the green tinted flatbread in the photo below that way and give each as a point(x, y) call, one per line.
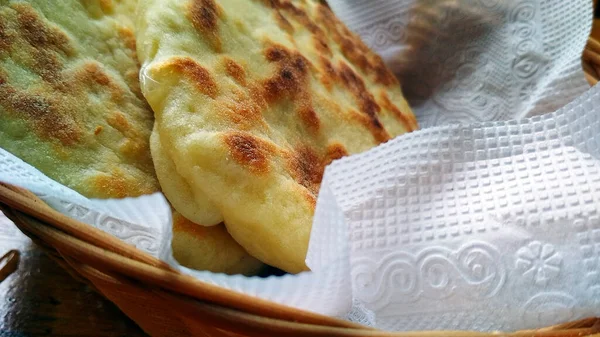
point(70, 102)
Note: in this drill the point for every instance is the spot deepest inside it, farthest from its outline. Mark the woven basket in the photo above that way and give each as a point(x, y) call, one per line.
point(164, 302)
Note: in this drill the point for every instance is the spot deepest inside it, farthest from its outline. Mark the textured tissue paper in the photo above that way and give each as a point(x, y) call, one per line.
point(490, 224)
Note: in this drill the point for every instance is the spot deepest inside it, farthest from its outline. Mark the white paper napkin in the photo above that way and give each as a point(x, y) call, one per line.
point(464, 61)
point(488, 227)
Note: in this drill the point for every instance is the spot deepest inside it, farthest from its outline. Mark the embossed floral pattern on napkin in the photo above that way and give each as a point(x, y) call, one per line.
point(491, 226)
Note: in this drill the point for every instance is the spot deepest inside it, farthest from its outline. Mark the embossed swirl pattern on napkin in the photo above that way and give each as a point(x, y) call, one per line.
point(465, 61)
point(98, 213)
point(492, 226)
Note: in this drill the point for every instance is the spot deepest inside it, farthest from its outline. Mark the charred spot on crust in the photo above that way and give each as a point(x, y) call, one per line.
point(310, 118)
point(98, 129)
point(291, 81)
point(322, 46)
point(47, 44)
point(336, 151)
point(200, 76)
point(354, 49)
point(407, 120)
point(291, 78)
point(118, 121)
point(48, 67)
point(43, 113)
point(382, 74)
point(249, 151)
point(128, 38)
point(304, 20)
point(92, 74)
point(307, 168)
point(204, 15)
point(365, 100)
point(245, 108)
point(115, 183)
point(235, 71)
point(107, 6)
point(283, 23)
point(38, 34)
point(328, 73)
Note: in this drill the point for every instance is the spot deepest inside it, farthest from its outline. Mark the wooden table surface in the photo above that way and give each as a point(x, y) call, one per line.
point(41, 299)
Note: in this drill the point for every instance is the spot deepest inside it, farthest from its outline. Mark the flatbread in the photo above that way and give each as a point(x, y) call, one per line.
point(71, 106)
point(252, 99)
point(196, 246)
point(70, 102)
point(196, 208)
point(210, 248)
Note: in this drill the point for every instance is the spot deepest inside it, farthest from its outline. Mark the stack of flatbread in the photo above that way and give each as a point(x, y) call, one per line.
point(235, 111)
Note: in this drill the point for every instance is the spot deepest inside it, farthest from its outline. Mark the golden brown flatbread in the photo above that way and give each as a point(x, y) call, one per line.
point(252, 99)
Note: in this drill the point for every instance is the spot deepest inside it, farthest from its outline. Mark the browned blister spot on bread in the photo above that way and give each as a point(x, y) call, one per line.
point(335, 151)
point(408, 120)
point(303, 19)
point(282, 21)
point(107, 6)
point(47, 44)
point(128, 37)
point(307, 168)
point(197, 74)
point(91, 74)
point(245, 108)
point(118, 121)
point(291, 77)
point(235, 71)
point(309, 117)
point(291, 81)
point(249, 151)
point(366, 101)
point(204, 15)
point(321, 46)
point(38, 34)
point(382, 74)
point(328, 73)
point(119, 184)
point(133, 145)
point(354, 48)
point(310, 197)
point(44, 113)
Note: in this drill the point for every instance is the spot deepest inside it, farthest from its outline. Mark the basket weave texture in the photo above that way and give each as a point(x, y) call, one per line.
point(164, 302)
